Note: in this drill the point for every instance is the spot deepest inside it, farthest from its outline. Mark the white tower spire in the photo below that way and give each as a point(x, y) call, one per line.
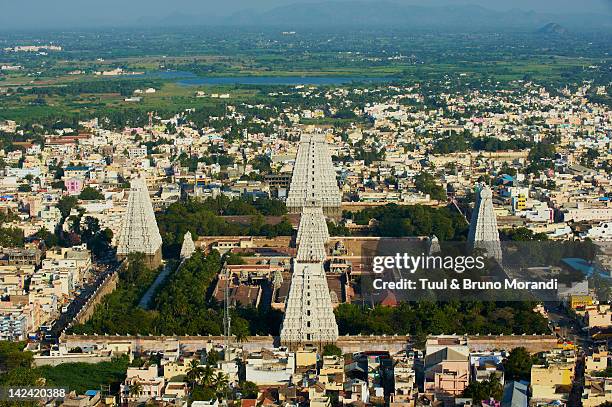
point(139, 232)
point(314, 177)
point(309, 313)
point(483, 226)
point(188, 247)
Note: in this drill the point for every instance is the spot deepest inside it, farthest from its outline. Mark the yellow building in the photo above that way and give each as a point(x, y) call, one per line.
point(332, 373)
point(580, 301)
point(178, 368)
point(306, 357)
point(552, 380)
point(520, 203)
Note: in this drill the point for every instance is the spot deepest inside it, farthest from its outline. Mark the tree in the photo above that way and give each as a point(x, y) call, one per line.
point(249, 390)
point(11, 237)
point(135, 389)
point(242, 336)
point(484, 390)
point(523, 234)
point(518, 364)
point(195, 372)
point(49, 238)
point(66, 204)
point(220, 383)
point(603, 373)
point(208, 373)
point(212, 357)
point(12, 356)
point(331, 350)
point(24, 188)
point(425, 183)
point(91, 194)
point(21, 376)
point(58, 185)
point(261, 163)
point(201, 393)
point(419, 340)
point(233, 258)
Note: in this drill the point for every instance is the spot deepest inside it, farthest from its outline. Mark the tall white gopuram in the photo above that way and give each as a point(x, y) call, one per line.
point(139, 232)
point(483, 225)
point(314, 177)
point(188, 248)
point(309, 314)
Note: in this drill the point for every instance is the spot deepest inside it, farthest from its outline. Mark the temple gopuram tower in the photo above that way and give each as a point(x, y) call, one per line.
point(483, 225)
point(139, 232)
point(309, 313)
point(314, 177)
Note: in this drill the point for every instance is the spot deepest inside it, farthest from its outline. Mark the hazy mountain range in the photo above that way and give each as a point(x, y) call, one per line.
point(299, 14)
point(357, 14)
point(383, 13)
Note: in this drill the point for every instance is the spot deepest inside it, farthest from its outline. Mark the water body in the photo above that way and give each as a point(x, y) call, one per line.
point(168, 75)
point(190, 79)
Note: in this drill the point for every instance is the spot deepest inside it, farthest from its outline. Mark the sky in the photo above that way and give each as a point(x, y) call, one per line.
point(30, 14)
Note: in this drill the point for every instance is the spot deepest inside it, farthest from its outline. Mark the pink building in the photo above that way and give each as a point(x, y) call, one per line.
point(447, 372)
point(74, 186)
point(144, 382)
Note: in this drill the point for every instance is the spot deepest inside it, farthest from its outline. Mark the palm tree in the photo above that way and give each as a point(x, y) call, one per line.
point(220, 382)
point(194, 374)
point(207, 376)
point(241, 336)
point(135, 389)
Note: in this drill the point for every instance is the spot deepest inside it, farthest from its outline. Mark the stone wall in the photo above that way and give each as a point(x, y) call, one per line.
point(57, 360)
point(107, 287)
point(533, 343)
point(348, 344)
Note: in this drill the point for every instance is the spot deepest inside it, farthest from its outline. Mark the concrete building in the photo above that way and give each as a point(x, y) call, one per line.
point(447, 371)
point(597, 391)
point(270, 367)
point(146, 380)
point(553, 380)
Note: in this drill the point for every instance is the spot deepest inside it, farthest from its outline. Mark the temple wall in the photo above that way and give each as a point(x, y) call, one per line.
point(348, 344)
point(107, 287)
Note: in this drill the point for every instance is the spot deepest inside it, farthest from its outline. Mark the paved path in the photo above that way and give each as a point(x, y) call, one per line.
point(161, 277)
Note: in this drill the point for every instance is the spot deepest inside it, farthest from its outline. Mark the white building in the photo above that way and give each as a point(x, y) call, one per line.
point(603, 231)
point(270, 367)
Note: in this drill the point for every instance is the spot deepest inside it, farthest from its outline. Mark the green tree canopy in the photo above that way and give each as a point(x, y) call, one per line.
point(90, 194)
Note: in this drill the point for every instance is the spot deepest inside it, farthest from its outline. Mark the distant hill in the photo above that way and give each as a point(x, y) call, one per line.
point(381, 13)
point(552, 28)
point(387, 13)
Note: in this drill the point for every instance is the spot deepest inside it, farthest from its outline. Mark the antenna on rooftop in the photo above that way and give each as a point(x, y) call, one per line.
point(227, 319)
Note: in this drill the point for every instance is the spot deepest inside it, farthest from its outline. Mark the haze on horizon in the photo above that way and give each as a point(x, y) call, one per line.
point(64, 14)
